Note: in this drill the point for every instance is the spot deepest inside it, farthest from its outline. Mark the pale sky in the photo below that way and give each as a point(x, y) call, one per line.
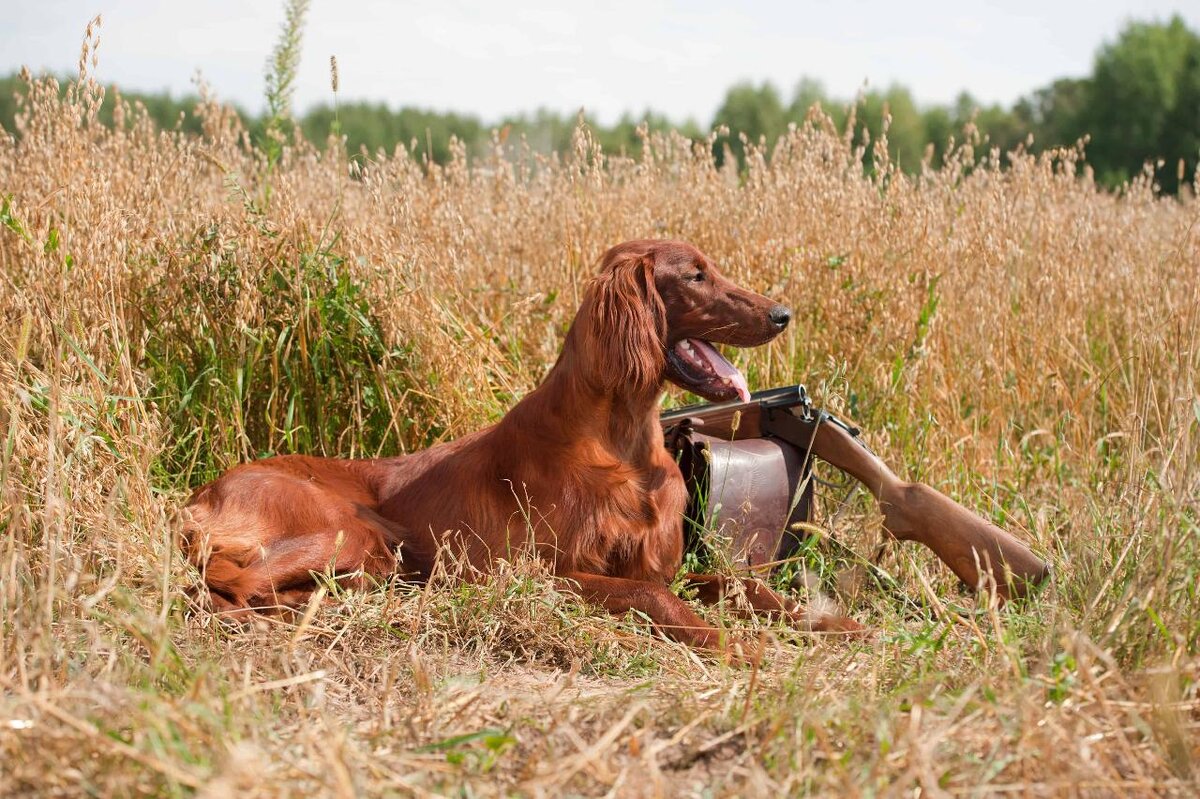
point(491, 59)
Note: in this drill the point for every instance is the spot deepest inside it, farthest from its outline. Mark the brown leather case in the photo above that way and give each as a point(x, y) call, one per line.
point(744, 494)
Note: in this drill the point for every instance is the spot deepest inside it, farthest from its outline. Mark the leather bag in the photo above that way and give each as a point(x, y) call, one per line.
point(749, 477)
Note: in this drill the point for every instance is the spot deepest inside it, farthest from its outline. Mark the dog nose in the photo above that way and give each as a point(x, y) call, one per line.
point(780, 315)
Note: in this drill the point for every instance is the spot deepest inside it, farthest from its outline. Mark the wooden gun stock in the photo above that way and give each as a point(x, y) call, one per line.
point(979, 552)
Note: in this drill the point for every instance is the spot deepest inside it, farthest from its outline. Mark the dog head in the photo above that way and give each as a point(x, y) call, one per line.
point(659, 308)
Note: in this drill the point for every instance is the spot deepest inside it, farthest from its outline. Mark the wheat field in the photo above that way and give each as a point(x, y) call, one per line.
point(999, 326)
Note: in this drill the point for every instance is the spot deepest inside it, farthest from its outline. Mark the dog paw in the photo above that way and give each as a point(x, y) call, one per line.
point(843, 625)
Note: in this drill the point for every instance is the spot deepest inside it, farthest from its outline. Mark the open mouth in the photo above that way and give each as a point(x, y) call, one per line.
point(695, 365)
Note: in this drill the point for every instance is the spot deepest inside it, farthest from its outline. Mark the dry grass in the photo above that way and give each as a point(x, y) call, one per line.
point(171, 305)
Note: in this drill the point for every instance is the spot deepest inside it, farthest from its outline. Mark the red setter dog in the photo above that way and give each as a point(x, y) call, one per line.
point(604, 500)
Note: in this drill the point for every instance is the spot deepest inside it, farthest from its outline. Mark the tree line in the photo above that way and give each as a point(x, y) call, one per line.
point(1140, 104)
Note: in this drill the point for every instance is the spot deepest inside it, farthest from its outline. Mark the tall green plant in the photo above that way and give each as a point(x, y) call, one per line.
point(280, 80)
point(308, 370)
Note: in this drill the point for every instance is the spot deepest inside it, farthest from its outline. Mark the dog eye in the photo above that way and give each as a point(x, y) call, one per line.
point(697, 278)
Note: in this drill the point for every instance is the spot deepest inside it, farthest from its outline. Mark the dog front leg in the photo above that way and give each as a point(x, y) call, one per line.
point(669, 613)
point(715, 589)
point(916, 512)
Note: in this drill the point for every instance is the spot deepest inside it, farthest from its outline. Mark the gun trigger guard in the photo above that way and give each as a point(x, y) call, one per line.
point(682, 428)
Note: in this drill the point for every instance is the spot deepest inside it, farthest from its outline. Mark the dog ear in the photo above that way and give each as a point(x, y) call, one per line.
point(628, 328)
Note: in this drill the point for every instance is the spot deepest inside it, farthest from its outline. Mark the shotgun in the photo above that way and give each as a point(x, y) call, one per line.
point(750, 462)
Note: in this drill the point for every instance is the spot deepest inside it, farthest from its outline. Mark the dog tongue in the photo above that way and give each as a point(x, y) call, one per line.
point(722, 367)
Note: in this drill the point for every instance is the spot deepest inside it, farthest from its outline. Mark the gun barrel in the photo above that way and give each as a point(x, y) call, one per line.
point(783, 397)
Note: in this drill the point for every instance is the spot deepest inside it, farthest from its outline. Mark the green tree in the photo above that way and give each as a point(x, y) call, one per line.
point(755, 111)
point(906, 133)
point(1000, 127)
point(546, 131)
point(940, 125)
point(1056, 113)
point(622, 137)
point(374, 126)
point(1141, 103)
point(1134, 97)
point(167, 111)
point(1181, 130)
point(10, 87)
point(810, 92)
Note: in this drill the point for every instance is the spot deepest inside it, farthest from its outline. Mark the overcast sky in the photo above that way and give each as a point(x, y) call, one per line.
point(491, 58)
